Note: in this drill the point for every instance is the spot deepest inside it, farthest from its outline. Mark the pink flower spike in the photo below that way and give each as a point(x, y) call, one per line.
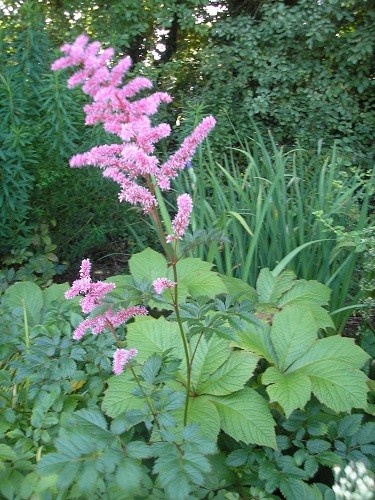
point(121, 358)
point(160, 284)
point(181, 221)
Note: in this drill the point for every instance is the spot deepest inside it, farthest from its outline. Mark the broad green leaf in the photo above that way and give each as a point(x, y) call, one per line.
point(54, 293)
point(6, 453)
point(149, 335)
point(257, 339)
point(129, 475)
point(148, 265)
point(231, 376)
point(236, 286)
point(333, 348)
point(270, 288)
point(291, 391)
point(92, 423)
point(118, 397)
point(337, 385)
point(306, 291)
point(203, 412)
point(25, 294)
point(349, 425)
point(296, 489)
point(209, 356)
point(293, 331)
point(197, 276)
point(321, 316)
point(246, 417)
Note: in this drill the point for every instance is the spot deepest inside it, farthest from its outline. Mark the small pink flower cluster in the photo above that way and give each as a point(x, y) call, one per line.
point(128, 119)
point(121, 358)
point(181, 221)
point(93, 293)
point(160, 284)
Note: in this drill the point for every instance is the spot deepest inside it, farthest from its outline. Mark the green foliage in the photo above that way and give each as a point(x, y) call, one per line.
point(269, 205)
point(301, 69)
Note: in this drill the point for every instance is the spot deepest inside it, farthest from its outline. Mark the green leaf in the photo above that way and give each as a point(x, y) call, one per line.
point(197, 277)
point(150, 336)
point(337, 386)
point(246, 417)
point(293, 331)
point(306, 291)
point(209, 356)
point(25, 294)
point(236, 286)
point(270, 287)
point(231, 376)
point(333, 348)
point(291, 391)
point(129, 475)
point(118, 398)
point(296, 489)
point(349, 425)
point(148, 265)
point(256, 338)
point(6, 453)
point(54, 293)
point(317, 445)
point(366, 434)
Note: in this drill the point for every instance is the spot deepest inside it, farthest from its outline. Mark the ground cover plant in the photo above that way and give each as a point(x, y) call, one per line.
point(220, 389)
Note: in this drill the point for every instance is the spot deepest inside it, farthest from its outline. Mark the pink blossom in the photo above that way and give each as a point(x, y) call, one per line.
point(160, 284)
point(185, 153)
point(181, 221)
point(132, 163)
point(121, 358)
point(108, 319)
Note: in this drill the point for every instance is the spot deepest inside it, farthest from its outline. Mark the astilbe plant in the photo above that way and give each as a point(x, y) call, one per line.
point(132, 164)
point(186, 375)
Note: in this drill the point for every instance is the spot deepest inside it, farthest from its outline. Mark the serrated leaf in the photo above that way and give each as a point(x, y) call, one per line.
point(337, 386)
point(118, 397)
point(129, 475)
point(25, 294)
point(293, 331)
point(330, 459)
point(154, 336)
point(317, 445)
point(311, 466)
point(209, 356)
point(6, 452)
point(349, 425)
point(306, 292)
point(231, 376)
point(333, 348)
point(235, 286)
point(237, 458)
point(53, 293)
point(291, 391)
point(270, 287)
point(246, 417)
point(296, 489)
point(148, 265)
point(197, 277)
point(366, 434)
point(257, 339)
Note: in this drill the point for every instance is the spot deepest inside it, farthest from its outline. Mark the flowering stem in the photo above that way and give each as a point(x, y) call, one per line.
point(148, 400)
point(184, 341)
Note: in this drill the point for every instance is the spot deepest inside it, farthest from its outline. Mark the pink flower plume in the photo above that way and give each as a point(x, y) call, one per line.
point(160, 284)
point(182, 219)
point(121, 358)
